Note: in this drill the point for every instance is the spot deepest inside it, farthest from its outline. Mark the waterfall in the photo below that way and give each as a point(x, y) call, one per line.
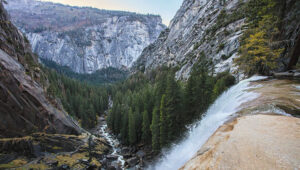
point(218, 113)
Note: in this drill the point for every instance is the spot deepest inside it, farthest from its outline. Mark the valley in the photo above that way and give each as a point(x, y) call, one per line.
point(87, 88)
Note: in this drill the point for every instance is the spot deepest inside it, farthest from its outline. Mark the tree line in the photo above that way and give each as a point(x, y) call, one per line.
point(81, 100)
point(154, 108)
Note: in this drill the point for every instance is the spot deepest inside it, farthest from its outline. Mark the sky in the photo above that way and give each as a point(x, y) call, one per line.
point(165, 8)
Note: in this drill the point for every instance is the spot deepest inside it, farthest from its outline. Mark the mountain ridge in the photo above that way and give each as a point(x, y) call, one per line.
point(84, 39)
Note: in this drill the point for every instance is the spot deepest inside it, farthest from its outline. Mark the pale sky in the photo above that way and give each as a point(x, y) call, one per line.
point(165, 8)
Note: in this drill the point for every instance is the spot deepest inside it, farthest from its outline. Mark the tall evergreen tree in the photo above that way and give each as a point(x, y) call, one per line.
point(173, 107)
point(124, 128)
point(163, 122)
point(146, 137)
point(155, 129)
point(131, 128)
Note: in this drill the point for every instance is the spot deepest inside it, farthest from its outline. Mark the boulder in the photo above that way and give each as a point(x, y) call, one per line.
point(141, 154)
point(132, 161)
point(112, 157)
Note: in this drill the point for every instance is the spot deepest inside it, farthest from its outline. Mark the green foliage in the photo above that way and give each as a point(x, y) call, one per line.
point(221, 47)
point(132, 128)
point(224, 57)
point(224, 19)
point(146, 136)
point(80, 100)
point(257, 53)
point(158, 98)
point(163, 123)
point(104, 76)
point(172, 107)
point(155, 130)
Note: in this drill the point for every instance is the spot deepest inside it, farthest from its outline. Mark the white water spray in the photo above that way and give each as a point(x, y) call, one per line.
point(222, 110)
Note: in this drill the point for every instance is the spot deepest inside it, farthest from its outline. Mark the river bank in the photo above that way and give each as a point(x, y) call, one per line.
point(120, 156)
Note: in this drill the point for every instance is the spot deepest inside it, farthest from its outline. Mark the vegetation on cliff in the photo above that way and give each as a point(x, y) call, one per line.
point(257, 50)
point(103, 76)
point(156, 102)
point(81, 100)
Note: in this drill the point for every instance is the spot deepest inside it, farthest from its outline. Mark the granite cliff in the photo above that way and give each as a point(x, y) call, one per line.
point(84, 39)
point(24, 107)
point(213, 28)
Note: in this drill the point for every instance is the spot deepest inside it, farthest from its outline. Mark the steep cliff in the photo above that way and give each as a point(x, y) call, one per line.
point(24, 109)
point(84, 39)
point(213, 28)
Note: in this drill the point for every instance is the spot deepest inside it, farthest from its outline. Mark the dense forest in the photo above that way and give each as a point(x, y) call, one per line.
point(154, 108)
point(103, 76)
point(81, 100)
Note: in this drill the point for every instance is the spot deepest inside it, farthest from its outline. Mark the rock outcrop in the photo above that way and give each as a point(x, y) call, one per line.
point(212, 28)
point(84, 39)
point(24, 108)
point(265, 135)
point(252, 142)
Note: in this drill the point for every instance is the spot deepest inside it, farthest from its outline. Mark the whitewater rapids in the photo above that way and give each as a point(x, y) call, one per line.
point(224, 108)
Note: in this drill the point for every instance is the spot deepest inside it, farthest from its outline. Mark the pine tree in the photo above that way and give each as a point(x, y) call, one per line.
point(124, 128)
point(131, 128)
point(155, 130)
point(146, 137)
point(163, 122)
point(173, 107)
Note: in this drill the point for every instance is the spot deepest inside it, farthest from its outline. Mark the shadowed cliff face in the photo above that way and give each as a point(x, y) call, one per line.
point(24, 109)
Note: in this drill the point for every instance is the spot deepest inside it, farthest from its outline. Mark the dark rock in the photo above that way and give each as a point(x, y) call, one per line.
point(133, 161)
point(127, 156)
point(91, 167)
point(64, 167)
point(140, 154)
point(6, 158)
point(111, 168)
point(291, 74)
point(84, 161)
point(51, 162)
point(125, 150)
point(112, 157)
point(24, 108)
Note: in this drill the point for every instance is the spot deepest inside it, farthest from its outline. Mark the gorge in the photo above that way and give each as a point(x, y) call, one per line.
point(217, 89)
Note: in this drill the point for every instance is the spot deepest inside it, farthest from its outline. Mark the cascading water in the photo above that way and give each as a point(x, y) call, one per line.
point(222, 110)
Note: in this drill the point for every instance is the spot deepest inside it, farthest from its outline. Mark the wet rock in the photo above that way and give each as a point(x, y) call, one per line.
point(91, 167)
point(127, 156)
point(111, 168)
point(288, 74)
point(125, 150)
point(112, 157)
point(132, 161)
point(64, 167)
point(104, 162)
point(84, 161)
point(141, 154)
point(51, 162)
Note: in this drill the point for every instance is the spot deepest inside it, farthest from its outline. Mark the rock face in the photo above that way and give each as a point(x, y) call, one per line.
point(252, 142)
point(84, 39)
point(24, 108)
point(212, 28)
point(264, 136)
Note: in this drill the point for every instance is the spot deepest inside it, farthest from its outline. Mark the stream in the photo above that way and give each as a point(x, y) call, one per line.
point(118, 160)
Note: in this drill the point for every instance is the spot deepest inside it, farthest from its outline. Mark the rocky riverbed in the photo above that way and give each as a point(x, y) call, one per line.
point(121, 157)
